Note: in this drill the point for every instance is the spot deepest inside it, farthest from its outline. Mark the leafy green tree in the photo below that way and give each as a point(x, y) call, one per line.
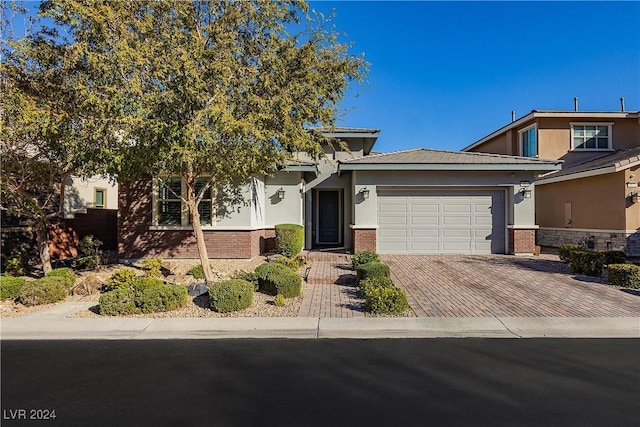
point(220, 90)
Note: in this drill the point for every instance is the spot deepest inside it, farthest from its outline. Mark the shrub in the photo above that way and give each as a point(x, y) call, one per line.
point(274, 278)
point(361, 258)
point(230, 295)
point(65, 273)
point(565, 251)
point(374, 282)
point(247, 276)
point(614, 257)
point(157, 298)
point(293, 263)
point(153, 267)
point(587, 262)
point(46, 290)
point(626, 275)
point(372, 269)
point(14, 267)
point(279, 301)
point(90, 253)
point(118, 301)
point(386, 300)
point(197, 272)
point(122, 278)
point(10, 287)
point(289, 239)
point(140, 284)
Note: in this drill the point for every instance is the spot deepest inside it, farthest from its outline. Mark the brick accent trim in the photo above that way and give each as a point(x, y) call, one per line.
point(364, 239)
point(522, 241)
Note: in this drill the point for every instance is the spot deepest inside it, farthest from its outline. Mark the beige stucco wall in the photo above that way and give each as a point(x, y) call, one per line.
point(497, 145)
point(597, 202)
point(80, 193)
point(632, 212)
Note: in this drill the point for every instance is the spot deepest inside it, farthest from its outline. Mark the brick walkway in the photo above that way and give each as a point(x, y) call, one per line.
point(330, 290)
point(480, 286)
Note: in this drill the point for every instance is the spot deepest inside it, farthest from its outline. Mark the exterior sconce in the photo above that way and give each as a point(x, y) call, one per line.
point(635, 197)
point(524, 184)
point(281, 193)
point(365, 192)
point(526, 194)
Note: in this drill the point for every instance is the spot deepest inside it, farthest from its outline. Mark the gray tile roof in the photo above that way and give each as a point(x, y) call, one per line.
point(618, 159)
point(429, 156)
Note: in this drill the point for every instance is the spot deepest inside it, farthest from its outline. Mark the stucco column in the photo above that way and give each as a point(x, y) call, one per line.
point(522, 227)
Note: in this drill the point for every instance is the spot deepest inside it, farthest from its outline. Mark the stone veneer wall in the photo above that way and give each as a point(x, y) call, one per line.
point(364, 240)
point(628, 242)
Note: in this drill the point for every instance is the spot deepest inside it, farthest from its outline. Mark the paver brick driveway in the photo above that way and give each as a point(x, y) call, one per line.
point(502, 285)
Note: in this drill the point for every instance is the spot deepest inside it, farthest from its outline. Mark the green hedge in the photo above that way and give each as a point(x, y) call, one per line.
point(587, 262)
point(386, 300)
point(146, 295)
point(565, 251)
point(614, 257)
point(122, 278)
point(365, 257)
point(372, 269)
point(10, 287)
point(289, 239)
point(374, 282)
point(120, 301)
point(46, 290)
point(247, 276)
point(274, 279)
point(230, 295)
point(66, 273)
point(626, 275)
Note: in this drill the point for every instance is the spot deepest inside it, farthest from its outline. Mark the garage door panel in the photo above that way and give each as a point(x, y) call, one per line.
point(425, 221)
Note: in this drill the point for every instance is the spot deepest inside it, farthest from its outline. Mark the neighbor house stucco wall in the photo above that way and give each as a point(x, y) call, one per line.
point(80, 193)
point(632, 211)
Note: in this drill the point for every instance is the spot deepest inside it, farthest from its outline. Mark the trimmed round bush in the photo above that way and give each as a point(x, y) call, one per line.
point(587, 262)
point(65, 273)
point(614, 257)
point(372, 269)
point(275, 278)
point(122, 278)
point(289, 239)
point(365, 257)
point(142, 283)
point(120, 301)
point(626, 275)
point(566, 250)
point(231, 295)
point(10, 287)
point(46, 290)
point(386, 300)
point(374, 282)
point(155, 299)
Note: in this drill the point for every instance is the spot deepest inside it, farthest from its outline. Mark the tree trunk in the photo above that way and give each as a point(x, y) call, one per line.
point(197, 227)
point(42, 241)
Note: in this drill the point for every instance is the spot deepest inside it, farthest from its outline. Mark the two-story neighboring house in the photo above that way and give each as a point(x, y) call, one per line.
point(594, 198)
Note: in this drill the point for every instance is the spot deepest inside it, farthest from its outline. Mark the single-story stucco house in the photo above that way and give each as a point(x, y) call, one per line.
point(418, 201)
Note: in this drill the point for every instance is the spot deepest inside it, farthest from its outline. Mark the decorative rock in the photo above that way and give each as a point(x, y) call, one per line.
point(87, 286)
point(197, 289)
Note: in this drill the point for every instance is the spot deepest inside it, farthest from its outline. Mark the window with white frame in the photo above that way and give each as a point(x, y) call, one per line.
point(591, 136)
point(529, 142)
point(171, 208)
point(99, 198)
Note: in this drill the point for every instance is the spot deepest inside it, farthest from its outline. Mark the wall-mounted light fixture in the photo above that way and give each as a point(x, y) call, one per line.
point(524, 184)
point(635, 197)
point(526, 194)
point(365, 192)
point(281, 193)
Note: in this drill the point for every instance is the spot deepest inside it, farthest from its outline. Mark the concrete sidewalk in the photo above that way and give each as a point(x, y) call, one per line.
point(36, 328)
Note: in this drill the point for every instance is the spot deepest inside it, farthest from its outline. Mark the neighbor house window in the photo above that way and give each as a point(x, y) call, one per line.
point(170, 204)
point(529, 142)
point(591, 136)
point(99, 198)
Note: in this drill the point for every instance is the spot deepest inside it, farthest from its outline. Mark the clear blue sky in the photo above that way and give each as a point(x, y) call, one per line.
point(444, 74)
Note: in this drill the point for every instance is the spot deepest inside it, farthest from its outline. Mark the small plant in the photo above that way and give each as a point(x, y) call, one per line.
point(197, 272)
point(293, 263)
point(587, 262)
point(230, 295)
point(247, 276)
point(289, 239)
point(374, 282)
point(90, 253)
point(10, 287)
point(372, 269)
point(567, 249)
point(614, 257)
point(279, 301)
point(122, 278)
point(365, 257)
point(46, 290)
point(65, 273)
point(625, 275)
point(275, 278)
point(153, 267)
point(14, 267)
point(386, 300)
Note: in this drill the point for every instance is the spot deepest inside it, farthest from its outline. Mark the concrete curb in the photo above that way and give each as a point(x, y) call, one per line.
point(310, 328)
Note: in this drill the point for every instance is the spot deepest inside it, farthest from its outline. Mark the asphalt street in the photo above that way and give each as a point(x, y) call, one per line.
point(271, 382)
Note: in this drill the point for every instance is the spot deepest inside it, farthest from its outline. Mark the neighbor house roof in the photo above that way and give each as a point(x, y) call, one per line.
point(555, 113)
point(428, 159)
point(609, 163)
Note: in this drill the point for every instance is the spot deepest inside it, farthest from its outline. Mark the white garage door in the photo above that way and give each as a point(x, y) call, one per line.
point(441, 222)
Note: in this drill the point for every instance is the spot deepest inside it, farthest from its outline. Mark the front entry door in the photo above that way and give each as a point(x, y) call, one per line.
point(329, 217)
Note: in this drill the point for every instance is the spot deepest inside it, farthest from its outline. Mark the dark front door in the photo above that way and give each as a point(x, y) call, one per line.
point(329, 217)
